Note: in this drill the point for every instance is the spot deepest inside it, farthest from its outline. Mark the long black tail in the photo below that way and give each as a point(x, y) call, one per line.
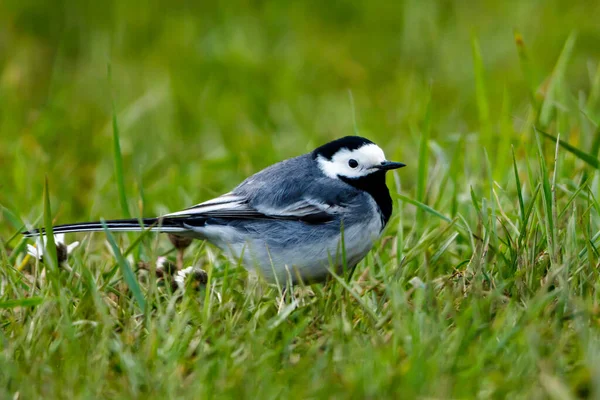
point(172, 225)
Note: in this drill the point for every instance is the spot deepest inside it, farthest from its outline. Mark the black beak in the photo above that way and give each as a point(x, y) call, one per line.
point(388, 165)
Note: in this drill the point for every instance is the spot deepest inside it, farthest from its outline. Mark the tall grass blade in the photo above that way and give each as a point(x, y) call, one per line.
point(554, 206)
point(486, 133)
point(504, 138)
point(14, 221)
point(556, 81)
point(207, 297)
point(519, 190)
point(492, 206)
point(356, 296)
point(583, 156)
point(583, 186)
point(26, 302)
point(596, 142)
point(592, 103)
point(423, 207)
point(117, 153)
point(126, 270)
point(50, 258)
point(526, 69)
point(547, 200)
point(11, 218)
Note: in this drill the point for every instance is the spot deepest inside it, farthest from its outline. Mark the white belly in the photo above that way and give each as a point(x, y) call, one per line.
point(310, 259)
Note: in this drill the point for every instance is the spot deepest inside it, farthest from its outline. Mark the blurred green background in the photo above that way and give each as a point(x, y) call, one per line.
point(206, 94)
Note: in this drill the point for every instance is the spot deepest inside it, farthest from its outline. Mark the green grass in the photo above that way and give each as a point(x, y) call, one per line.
point(486, 282)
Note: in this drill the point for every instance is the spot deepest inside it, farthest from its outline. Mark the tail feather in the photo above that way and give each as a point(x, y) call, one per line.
point(118, 225)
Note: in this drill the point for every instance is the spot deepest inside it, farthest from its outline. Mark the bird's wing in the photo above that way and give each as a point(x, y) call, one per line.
point(232, 206)
point(293, 189)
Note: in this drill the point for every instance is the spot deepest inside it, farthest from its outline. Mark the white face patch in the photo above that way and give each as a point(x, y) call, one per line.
point(368, 157)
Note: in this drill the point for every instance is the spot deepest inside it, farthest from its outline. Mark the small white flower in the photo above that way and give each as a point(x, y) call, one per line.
point(181, 275)
point(416, 282)
point(62, 249)
point(196, 273)
point(161, 261)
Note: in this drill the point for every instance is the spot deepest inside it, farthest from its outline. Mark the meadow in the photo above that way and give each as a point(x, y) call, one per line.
point(485, 283)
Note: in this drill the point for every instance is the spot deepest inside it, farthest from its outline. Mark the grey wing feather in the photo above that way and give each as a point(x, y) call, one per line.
point(292, 189)
point(242, 209)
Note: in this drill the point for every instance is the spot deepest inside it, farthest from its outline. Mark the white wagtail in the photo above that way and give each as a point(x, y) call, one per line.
point(287, 222)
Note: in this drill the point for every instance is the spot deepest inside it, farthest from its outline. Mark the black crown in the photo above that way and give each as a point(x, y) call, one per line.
point(348, 142)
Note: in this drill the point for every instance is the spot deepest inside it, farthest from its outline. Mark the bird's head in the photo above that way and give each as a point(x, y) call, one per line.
point(352, 157)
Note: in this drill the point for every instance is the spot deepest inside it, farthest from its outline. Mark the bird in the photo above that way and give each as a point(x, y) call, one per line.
point(288, 222)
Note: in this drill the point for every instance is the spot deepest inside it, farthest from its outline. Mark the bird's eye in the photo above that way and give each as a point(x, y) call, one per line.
point(352, 163)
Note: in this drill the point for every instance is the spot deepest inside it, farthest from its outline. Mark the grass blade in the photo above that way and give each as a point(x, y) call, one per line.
point(505, 136)
point(14, 221)
point(583, 156)
point(26, 302)
point(50, 258)
point(596, 142)
point(356, 296)
point(518, 183)
point(546, 200)
point(126, 270)
point(594, 92)
point(423, 207)
point(583, 186)
point(480, 93)
point(12, 218)
point(554, 207)
point(556, 81)
point(117, 154)
point(492, 203)
point(443, 247)
point(526, 69)
point(528, 212)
